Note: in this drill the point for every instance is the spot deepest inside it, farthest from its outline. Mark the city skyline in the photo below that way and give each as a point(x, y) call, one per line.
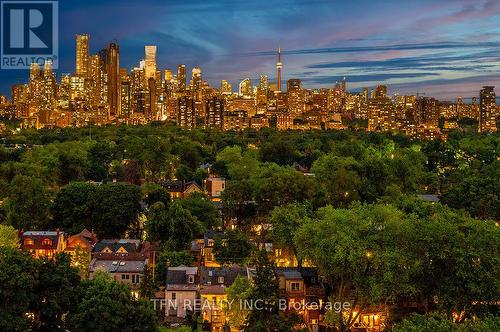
point(445, 49)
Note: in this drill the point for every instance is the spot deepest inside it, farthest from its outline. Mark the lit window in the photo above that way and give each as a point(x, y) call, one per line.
point(220, 280)
point(174, 296)
point(295, 286)
point(28, 242)
point(46, 242)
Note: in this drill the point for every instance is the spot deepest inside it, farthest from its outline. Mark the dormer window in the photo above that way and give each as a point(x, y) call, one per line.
point(191, 279)
point(28, 242)
point(46, 242)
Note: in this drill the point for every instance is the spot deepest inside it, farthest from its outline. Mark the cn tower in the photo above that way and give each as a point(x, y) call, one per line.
point(279, 65)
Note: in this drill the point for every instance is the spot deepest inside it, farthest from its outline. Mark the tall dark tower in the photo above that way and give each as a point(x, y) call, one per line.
point(279, 65)
point(113, 71)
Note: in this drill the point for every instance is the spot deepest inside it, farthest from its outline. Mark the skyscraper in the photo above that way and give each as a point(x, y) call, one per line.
point(279, 65)
point(487, 109)
point(214, 113)
point(82, 55)
point(226, 88)
point(245, 88)
point(150, 61)
point(181, 77)
point(186, 113)
point(296, 100)
point(196, 82)
point(113, 73)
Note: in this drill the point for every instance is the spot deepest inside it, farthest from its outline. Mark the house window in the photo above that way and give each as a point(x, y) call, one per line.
point(135, 278)
point(46, 242)
point(191, 279)
point(220, 280)
point(295, 286)
point(125, 276)
point(174, 296)
point(28, 242)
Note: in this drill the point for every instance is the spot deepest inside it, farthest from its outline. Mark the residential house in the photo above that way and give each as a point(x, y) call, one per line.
point(124, 249)
point(43, 243)
point(84, 240)
point(213, 291)
point(304, 293)
point(181, 189)
point(181, 292)
point(214, 188)
point(202, 250)
point(129, 272)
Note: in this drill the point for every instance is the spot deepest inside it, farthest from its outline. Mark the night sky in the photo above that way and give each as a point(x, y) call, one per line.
point(444, 48)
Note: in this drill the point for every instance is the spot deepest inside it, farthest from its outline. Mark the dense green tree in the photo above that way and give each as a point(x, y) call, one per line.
point(72, 207)
point(281, 152)
point(18, 278)
point(361, 252)
point(8, 237)
point(239, 292)
point(55, 292)
point(100, 155)
point(115, 207)
point(28, 203)
point(440, 323)
point(175, 226)
point(265, 315)
point(201, 207)
point(232, 248)
point(155, 193)
point(106, 305)
point(285, 221)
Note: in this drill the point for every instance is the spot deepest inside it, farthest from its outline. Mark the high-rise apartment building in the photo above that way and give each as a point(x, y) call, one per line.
point(82, 55)
point(487, 109)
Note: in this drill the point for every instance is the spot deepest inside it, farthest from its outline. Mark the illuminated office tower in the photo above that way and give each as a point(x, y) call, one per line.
point(151, 109)
point(20, 99)
point(380, 114)
point(487, 109)
point(95, 81)
point(344, 86)
point(77, 89)
point(181, 77)
point(296, 97)
point(35, 71)
point(125, 93)
point(261, 94)
point(138, 90)
point(225, 87)
point(279, 65)
point(380, 91)
point(150, 61)
point(245, 88)
point(214, 113)
point(82, 55)
point(428, 111)
point(169, 76)
point(113, 73)
point(64, 92)
point(196, 83)
point(186, 113)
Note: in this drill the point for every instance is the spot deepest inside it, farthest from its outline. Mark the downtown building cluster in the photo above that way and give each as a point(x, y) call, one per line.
point(102, 92)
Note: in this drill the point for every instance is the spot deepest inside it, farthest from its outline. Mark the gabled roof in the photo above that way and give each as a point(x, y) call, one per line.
point(38, 237)
point(131, 246)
